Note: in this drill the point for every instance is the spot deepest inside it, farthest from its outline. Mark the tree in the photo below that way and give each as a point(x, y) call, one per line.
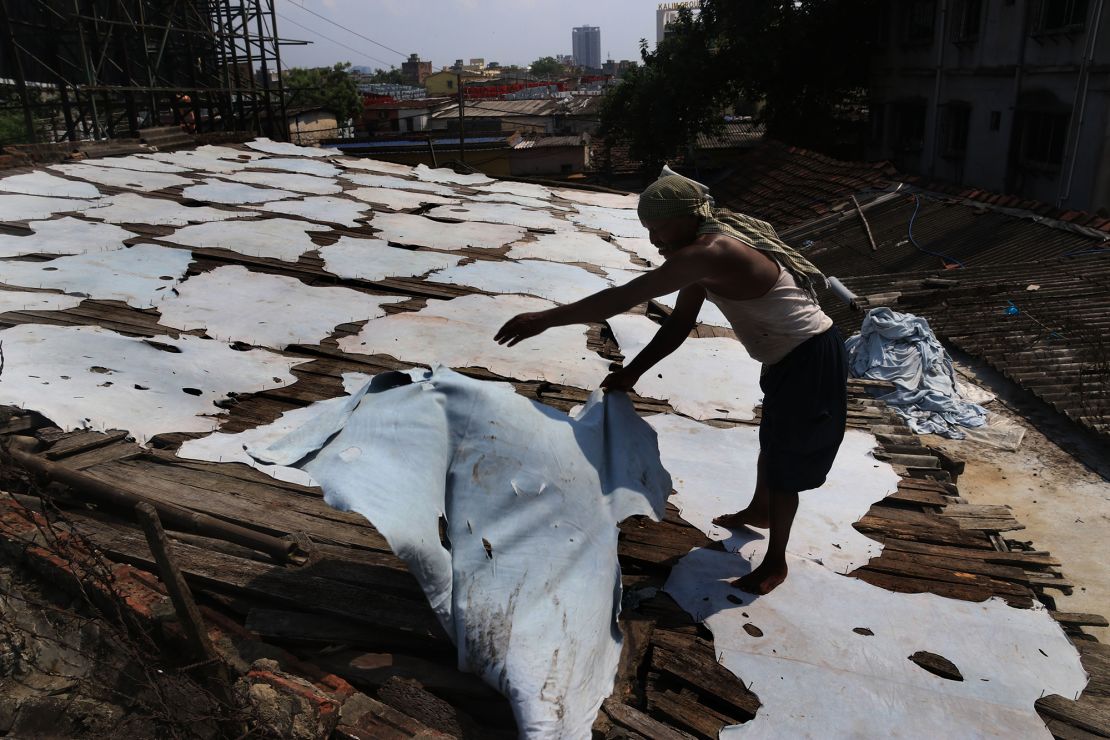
point(804, 60)
point(332, 88)
point(391, 76)
point(547, 67)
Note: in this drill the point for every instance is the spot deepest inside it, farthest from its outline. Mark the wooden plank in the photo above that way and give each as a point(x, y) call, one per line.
point(964, 565)
point(292, 587)
point(694, 661)
point(1090, 714)
point(305, 627)
point(907, 585)
point(913, 568)
point(637, 721)
point(925, 498)
point(261, 507)
point(82, 441)
point(119, 451)
point(687, 712)
point(1018, 558)
point(983, 524)
point(1075, 619)
point(1096, 661)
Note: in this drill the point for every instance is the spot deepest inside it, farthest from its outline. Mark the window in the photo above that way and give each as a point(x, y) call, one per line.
point(909, 126)
point(450, 84)
point(955, 123)
point(918, 19)
point(996, 120)
point(968, 20)
point(1061, 15)
point(1043, 135)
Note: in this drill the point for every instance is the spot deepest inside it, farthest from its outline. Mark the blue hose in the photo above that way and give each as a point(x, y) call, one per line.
point(909, 233)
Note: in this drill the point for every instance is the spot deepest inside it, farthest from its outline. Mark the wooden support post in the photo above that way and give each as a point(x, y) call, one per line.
point(866, 226)
point(187, 612)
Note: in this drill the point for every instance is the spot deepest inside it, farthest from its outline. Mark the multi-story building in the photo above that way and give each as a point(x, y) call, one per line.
point(1011, 96)
point(414, 71)
point(586, 46)
point(667, 13)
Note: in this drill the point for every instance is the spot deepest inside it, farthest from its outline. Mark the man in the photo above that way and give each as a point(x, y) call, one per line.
point(767, 291)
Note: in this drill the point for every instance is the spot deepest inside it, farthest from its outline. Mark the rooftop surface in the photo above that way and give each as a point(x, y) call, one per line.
point(223, 259)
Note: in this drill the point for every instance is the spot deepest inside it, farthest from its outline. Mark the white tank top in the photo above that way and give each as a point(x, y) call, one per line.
point(772, 325)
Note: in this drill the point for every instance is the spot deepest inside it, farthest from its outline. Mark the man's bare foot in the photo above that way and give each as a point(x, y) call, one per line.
point(744, 518)
point(763, 579)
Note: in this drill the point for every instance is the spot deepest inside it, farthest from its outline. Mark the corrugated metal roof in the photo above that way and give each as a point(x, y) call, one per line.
point(500, 109)
point(549, 141)
point(732, 135)
point(788, 185)
point(1045, 324)
point(945, 231)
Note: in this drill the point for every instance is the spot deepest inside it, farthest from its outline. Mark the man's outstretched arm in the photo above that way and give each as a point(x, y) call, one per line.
point(675, 274)
point(670, 336)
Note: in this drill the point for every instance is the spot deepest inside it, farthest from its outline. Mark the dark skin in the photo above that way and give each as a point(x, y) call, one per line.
point(692, 263)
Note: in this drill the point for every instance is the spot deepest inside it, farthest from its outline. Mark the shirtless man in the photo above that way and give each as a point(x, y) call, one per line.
point(767, 291)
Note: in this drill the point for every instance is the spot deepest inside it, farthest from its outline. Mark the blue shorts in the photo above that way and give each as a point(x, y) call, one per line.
point(805, 408)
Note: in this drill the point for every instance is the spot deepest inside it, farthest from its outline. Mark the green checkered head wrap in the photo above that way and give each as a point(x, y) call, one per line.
point(672, 196)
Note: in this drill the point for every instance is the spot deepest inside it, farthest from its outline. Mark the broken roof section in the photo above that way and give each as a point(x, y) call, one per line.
point(424, 321)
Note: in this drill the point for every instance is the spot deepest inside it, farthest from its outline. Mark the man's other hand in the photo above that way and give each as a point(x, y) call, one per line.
point(620, 380)
point(521, 327)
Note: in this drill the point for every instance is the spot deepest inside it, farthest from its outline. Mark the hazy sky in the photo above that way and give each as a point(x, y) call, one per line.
point(505, 31)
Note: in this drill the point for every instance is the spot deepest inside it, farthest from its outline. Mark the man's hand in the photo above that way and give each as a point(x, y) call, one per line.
point(521, 327)
point(620, 380)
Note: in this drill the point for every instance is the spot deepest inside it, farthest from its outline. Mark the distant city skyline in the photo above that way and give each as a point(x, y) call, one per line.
point(441, 31)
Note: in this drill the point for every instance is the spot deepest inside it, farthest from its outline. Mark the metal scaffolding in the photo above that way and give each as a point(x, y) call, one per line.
point(96, 69)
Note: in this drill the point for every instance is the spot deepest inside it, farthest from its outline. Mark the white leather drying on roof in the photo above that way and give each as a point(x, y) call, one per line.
point(227, 447)
point(616, 221)
point(136, 162)
point(279, 238)
point(502, 213)
point(529, 189)
point(115, 177)
point(641, 247)
point(714, 473)
point(373, 165)
point(131, 208)
point(601, 200)
point(530, 587)
point(302, 165)
point(212, 190)
point(707, 378)
point(85, 377)
point(520, 200)
point(374, 259)
point(572, 246)
point(396, 200)
point(392, 181)
point(28, 300)
point(45, 184)
point(551, 280)
point(459, 333)
point(283, 149)
point(448, 176)
point(233, 304)
point(818, 678)
point(66, 235)
point(140, 276)
point(201, 161)
point(322, 209)
point(295, 181)
point(405, 228)
point(18, 207)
